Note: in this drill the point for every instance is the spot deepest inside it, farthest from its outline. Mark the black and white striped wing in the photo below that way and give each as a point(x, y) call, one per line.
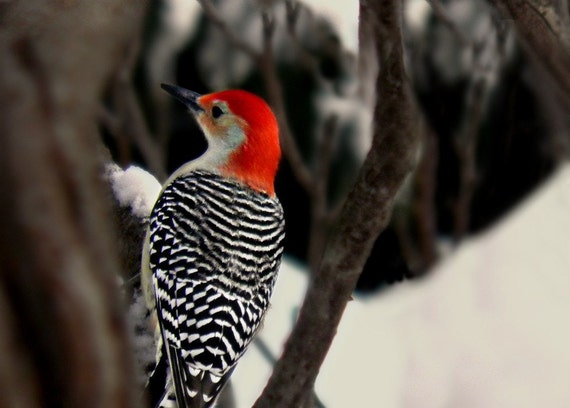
point(215, 249)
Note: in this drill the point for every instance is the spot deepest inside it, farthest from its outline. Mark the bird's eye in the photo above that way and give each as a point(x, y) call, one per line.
point(217, 112)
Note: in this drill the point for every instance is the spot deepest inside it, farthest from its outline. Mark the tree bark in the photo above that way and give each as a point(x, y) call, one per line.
point(63, 337)
point(366, 213)
point(545, 33)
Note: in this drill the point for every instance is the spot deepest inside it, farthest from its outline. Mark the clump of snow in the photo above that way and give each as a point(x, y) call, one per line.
point(489, 327)
point(138, 321)
point(135, 188)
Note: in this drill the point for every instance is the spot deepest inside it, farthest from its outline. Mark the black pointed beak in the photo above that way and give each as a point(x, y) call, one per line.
point(188, 98)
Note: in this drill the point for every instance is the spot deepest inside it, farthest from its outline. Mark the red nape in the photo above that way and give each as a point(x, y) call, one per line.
point(256, 161)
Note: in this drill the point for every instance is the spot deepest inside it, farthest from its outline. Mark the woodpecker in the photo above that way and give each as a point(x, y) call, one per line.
point(213, 247)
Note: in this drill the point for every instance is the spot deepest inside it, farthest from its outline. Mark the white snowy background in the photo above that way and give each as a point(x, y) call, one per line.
point(488, 327)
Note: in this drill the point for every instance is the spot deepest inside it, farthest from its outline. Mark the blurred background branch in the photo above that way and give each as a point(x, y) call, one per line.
point(545, 32)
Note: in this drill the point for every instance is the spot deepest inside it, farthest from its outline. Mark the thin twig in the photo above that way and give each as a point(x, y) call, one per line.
point(127, 122)
point(277, 102)
point(424, 205)
point(131, 281)
point(320, 221)
point(135, 127)
point(466, 148)
point(466, 141)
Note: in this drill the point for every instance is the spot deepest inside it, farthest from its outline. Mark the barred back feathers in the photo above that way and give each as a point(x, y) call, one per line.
point(215, 249)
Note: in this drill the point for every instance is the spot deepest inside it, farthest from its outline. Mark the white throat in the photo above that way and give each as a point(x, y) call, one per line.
point(217, 155)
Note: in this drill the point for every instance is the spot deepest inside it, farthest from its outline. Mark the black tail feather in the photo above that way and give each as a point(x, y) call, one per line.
point(156, 385)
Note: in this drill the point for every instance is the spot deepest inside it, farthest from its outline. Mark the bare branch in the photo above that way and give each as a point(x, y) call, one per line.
point(366, 212)
point(320, 220)
point(424, 206)
point(547, 11)
point(133, 126)
point(551, 48)
point(127, 122)
point(277, 102)
point(293, 9)
point(466, 147)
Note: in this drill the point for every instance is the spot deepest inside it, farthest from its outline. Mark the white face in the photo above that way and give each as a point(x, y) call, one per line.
point(224, 132)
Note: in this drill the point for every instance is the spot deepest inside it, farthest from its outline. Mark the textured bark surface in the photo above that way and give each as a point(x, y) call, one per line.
point(366, 213)
point(546, 33)
point(63, 333)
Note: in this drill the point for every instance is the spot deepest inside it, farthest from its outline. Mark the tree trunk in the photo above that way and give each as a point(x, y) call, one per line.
point(63, 334)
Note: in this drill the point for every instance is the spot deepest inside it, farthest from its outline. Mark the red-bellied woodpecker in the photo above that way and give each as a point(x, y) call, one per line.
point(214, 246)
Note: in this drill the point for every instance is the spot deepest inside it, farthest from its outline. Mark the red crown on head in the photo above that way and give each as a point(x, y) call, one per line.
point(256, 161)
